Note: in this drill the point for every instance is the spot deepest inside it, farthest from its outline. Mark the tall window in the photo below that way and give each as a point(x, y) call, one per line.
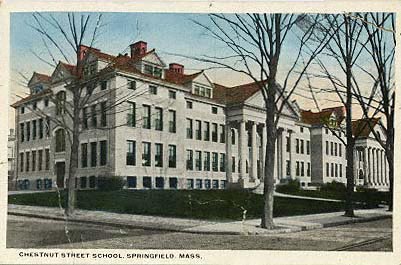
point(198, 130)
point(189, 128)
point(47, 159)
point(327, 169)
point(22, 131)
point(172, 127)
point(131, 161)
point(28, 131)
point(206, 132)
point(60, 102)
point(302, 169)
point(206, 161)
point(190, 160)
point(172, 156)
point(146, 154)
point(288, 167)
point(40, 160)
point(335, 149)
point(103, 114)
point(297, 146)
point(307, 147)
point(159, 119)
point(297, 169)
point(172, 94)
point(94, 115)
point(222, 133)
point(34, 129)
point(103, 153)
point(233, 164)
point(33, 160)
point(331, 148)
point(85, 117)
point(214, 132)
point(327, 148)
point(198, 160)
point(302, 146)
point(308, 170)
point(21, 162)
point(47, 126)
point(93, 154)
point(84, 155)
point(223, 162)
point(340, 150)
point(215, 161)
point(288, 144)
point(232, 136)
point(146, 117)
point(131, 116)
point(40, 128)
point(60, 140)
point(27, 164)
point(153, 90)
point(159, 155)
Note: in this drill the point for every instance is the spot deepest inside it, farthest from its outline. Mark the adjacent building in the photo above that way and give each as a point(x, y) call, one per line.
point(159, 127)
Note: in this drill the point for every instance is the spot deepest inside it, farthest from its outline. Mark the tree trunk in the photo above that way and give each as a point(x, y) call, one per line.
point(271, 130)
point(390, 160)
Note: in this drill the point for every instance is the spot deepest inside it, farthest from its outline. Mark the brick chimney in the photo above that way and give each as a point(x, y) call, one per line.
point(175, 67)
point(138, 48)
point(83, 50)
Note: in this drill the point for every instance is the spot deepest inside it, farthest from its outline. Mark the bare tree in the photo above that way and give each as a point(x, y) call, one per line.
point(255, 44)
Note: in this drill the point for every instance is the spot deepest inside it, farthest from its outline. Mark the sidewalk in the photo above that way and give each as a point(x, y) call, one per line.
point(248, 227)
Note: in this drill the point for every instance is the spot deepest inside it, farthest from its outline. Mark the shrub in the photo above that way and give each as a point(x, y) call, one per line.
point(334, 187)
point(107, 183)
point(291, 186)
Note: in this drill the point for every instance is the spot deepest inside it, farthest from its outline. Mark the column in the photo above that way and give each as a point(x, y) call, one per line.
point(373, 163)
point(242, 145)
point(382, 168)
point(370, 166)
point(254, 153)
point(228, 153)
point(385, 170)
point(282, 170)
point(262, 161)
point(365, 166)
point(377, 166)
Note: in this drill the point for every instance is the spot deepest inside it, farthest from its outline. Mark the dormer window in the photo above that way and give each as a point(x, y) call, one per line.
point(90, 69)
point(153, 70)
point(37, 89)
point(202, 91)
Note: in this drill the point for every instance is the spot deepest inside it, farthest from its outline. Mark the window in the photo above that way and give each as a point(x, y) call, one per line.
point(47, 159)
point(103, 85)
point(222, 184)
point(308, 170)
point(189, 105)
point(103, 153)
point(28, 131)
point(198, 160)
point(302, 169)
point(60, 140)
point(206, 132)
point(146, 117)
point(214, 110)
point(34, 129)
point(40, 160)
point(288, 167)
point(159, 155)
point(173, 183)
point(327, 130)
point(146, 154)
point(340, 150)
point(40, 128)
point(46, 102)
point(131, 84)
point(332, 170)
point(92, 182)
point(33, 161)
point(84, 155)
point(172, 94)
point(288, 144)
point(206, 161)
point(159, 182)
point(190, 159)
point(199, 184)
point(39, 184)
point(336, 170)
point(22, 131)
point(215, 184)
point(233, 164)
point(27, 164)
point(307, 147)
point(130, 160)
point(327, 170)
point(223, 162)
point(331, 148)
point(153, 90)
point(214, 132)
point(147, 182)
point(131, 115)
point(207, 184)
point(190, 184)
point(83, 182)
point(172, 121)
point(232, 136)
point(302, 146)
point(148, 69)
point(93, 154)
point(94, 115)
point(21, 162)
point(335, 149)
point(215, 162)
point(157, 72)
point(60, 102)
point(297, 169)
point(85, 117)
point(297, 146)
point(301, 129)
point(172, 156)
point(341, 170)
point(198, 130)
point(22, 110)
point(131, 182)
point(159, 119)
point(222, 134)
point(327, 148)
point(103, 114)
point(189, 129)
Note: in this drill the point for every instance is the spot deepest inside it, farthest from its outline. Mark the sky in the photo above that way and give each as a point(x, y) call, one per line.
point(171, 34)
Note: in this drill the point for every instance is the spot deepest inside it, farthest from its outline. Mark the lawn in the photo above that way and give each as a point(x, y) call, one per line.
point(210, 205)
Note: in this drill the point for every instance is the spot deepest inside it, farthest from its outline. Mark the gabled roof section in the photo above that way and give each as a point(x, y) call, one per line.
point(39, 78)
point(68, 68)
point(236, 94)
point(322, 117)
point(32, 97)
point(364, 127)
point(178, 78)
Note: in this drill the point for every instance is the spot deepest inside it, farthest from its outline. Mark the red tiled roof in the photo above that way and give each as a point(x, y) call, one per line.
point(42, 77)
point(70, 68)
point(320, 118)
point(363, 127)
point(178, 78)
point(237, 94)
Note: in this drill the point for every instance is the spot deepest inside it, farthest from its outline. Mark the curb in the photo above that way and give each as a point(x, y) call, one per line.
point(357, 219)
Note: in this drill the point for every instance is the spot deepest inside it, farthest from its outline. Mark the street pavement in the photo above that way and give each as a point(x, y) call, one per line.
point(28, 232)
